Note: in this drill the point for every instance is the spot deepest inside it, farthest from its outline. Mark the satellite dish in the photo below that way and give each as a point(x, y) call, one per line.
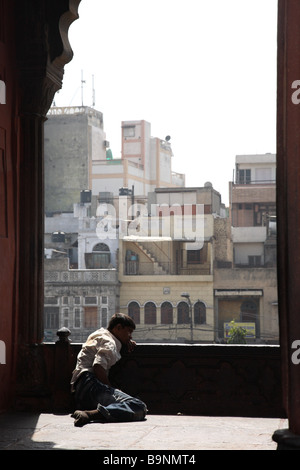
point(167, 138)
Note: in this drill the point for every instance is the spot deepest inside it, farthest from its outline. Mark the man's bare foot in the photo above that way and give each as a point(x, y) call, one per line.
point(80, 418)
point(85, 417)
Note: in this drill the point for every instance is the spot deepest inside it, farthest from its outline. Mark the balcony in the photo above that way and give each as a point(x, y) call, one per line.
point(167, 258)
point(197, 379)
point(197, 395)
point(137, 268)
point(253, 192)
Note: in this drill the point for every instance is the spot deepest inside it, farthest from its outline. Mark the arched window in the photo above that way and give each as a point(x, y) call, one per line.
point(134, 312)
point(167, 313)
point(99, 258)
point(150, 313)
point(199, 313)
point(101, 247)
point(183, 313)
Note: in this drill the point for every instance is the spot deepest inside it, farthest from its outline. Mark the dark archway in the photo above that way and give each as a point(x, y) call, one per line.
point(199, 313)
point(166, 310)
point(150, 313)
point(134, 312)
point(183, 313)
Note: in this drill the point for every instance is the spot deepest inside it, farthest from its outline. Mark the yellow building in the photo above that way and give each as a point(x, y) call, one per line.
point(155, 272)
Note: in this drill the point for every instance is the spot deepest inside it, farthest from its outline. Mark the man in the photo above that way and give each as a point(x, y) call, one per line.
point(95, 398)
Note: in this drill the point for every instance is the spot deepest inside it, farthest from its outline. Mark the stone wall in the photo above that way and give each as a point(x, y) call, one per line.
point(211, 380)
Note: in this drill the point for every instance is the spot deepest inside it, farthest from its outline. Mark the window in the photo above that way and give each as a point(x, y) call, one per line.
point(254, 261)
point(90, 300)
point(183, 314)
point(66, 317)
point(150, 313)
point(199, 313)
point(134, 312)
point(104, 317)
point(166, 313)
point(91, 317)
point(131, 262)
point(51, 300)
point(193, 257)
point(129, 131)
point(99, 258)
point(51, 317)
point(244, 176)
point(77, 318)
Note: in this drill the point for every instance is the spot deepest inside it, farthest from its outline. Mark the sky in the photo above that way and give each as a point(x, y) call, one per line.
point(200, 71)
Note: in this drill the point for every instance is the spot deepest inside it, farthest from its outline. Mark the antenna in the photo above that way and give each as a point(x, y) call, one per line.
point(82, 82)
point(93, 92)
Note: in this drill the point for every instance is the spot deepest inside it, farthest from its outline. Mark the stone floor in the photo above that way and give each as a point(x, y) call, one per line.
point(28, 431)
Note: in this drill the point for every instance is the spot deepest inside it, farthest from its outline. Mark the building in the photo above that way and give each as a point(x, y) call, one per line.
point(253, 195)
point(74, 138)
point(253, 210)
point(81, 300)
point(230, 276)
point(166, 266)
point(245, 274)
point(145, 163)
point(81, 287)
point(78, 157)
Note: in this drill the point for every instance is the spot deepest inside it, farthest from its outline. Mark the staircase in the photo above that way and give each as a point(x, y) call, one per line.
point(157, 267)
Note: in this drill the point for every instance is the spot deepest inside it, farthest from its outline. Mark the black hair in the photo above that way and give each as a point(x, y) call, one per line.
point(120, 319)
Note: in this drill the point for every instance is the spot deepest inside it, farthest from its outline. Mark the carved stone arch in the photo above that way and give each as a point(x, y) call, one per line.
point(43, 50)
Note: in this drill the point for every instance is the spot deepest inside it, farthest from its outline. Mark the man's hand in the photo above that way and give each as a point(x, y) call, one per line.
point(131, 345)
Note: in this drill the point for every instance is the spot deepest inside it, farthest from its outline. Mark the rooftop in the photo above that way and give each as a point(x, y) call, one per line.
point(29, 431)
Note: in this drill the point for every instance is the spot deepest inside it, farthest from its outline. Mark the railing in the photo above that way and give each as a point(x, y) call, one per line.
point(67, 110)
point(139, 268)
point(82, 276)
point(272, 181)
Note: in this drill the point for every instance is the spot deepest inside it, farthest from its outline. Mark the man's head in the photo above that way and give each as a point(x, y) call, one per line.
point(121, 326)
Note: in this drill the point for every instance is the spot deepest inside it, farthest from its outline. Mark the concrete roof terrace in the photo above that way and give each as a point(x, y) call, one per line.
point(47, 431)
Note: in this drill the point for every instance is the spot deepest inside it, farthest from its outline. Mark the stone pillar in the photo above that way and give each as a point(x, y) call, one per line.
point(31, 221)
point(42, 50)
point(288, 214)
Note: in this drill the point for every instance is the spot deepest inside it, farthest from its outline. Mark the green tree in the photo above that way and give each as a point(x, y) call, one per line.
point(237, 334)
